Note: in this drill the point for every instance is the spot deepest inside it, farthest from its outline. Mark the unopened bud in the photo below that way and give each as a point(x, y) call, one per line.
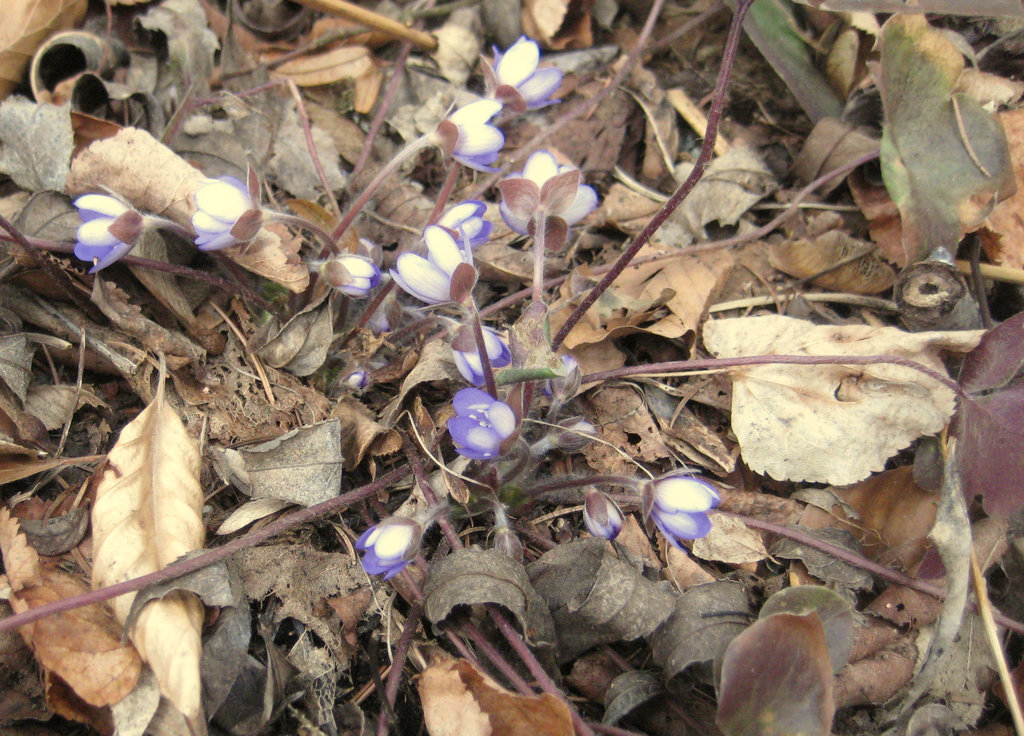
point(574, 434)
point(602, 515)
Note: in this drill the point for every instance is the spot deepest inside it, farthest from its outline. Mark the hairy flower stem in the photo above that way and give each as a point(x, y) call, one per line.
point(538, 257)
point(401, 157)
point(446, 191)
point(481, 349)
point(328, 242)
point(558, 484)
point(398, 663)
point(707, 149)
point(706, 364)
point(177, 569)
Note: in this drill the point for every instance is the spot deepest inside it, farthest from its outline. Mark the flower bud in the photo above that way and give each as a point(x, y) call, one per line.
point(601, 515)
point(390, 545)
point(678, 504)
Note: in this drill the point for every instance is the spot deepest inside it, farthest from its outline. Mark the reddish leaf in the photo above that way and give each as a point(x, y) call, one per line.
point(991, 457)
point(998, 358)
point(776, 679)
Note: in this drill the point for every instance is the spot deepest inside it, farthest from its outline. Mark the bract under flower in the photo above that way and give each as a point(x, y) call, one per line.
point(678, 505)
point(517, 69)
point(539, 168)
point(481, 424)
point(468, 361)
point(390, 545)
point(430, 279)
point(222, 217)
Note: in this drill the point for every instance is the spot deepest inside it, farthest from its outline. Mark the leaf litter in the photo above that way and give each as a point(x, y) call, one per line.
point(836, 417)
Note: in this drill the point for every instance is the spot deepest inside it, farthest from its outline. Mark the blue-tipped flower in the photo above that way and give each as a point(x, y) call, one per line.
point(602, 515)
point(110, 228)
point(390, 545)
point(351, 274)
point(481, 424)
point(678, 505)
point(430, 279)
point(357, 379)
point(226, 213)
point(467, 357)
point(466, 221)
point(525, 193)
point(467, 135)
point(517, 80)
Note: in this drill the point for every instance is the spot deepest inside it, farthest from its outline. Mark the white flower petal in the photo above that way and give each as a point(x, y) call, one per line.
point(540, 167)
point(442, 249)
point(583, 205)
point(502, 418)
point(393, 540)
point(475, 140)
point(679, 494)
point(518, 63)
point(540, 86)
point(222, 201)
point(475, 113)
point(97, 233)
point(102, 204)
point(422, 279)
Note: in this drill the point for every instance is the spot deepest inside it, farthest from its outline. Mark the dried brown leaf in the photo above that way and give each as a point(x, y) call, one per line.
point(832, 423)
point(82, 646)
point(460, 700)
point(148, 513)
point(27, 23)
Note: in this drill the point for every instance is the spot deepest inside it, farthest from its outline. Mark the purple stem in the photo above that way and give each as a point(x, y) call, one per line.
point(217, 554)
point(719, 363)
point(495, 657)
point(397, 664)
point(311, 147)
point(886, 573)
point(707, 149)
point(383, 108)
point(481, 350)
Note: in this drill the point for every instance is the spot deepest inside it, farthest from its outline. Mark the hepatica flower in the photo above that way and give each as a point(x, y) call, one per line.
point(351, 274)
point(465, 220)
point(430, 279)
point(544, 185)
point(467, 135)
point(467, 356)
point(390, 545)
point(226, 213)
point(516, 79)
point(601, 515)
point(110, 228)
point(678, 505)
point(481, 424)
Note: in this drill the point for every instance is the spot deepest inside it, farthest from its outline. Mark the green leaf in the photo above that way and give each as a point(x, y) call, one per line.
point(945, 160)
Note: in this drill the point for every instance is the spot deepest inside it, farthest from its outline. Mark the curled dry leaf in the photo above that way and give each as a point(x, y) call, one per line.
point(832, 423)
point(471, 576)
point(26, 25)
point(460, 700)
point(597, 598)
point(147, 514)
point(81, 646)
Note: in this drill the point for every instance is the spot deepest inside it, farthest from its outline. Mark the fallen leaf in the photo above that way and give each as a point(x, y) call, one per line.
point(1003, 233)
point(776, 680)
point(628, 691)
point(460, 700)
point(731, 542)
point(27, 23)
point(54, 405)
point(147, 514)
point(817, 258)
point(945, 176)
point(834, 612)
point(558, 24)
point(822, 565)
point(832, 423)
point(36, 143)
point(81, 646)
point(705, 618)
point(472, 576)
point(595, 597)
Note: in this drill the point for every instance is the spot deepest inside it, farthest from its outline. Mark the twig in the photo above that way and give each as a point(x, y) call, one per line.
point(311, 147)
point(374, 20)
point(700, 165)
point(177, 569)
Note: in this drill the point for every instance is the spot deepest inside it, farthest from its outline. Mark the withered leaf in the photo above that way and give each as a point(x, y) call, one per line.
point(58, 534)
point(82, 646)
point(627, 691)
point(300, 345)
point(823, 565)
point(469, 576)
point(26, 25)
point(459, 700)
point(703, 622)
point(834, 612)
point(16, 363)
point(148, 513)
point(597, 598)
point(776, 680)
